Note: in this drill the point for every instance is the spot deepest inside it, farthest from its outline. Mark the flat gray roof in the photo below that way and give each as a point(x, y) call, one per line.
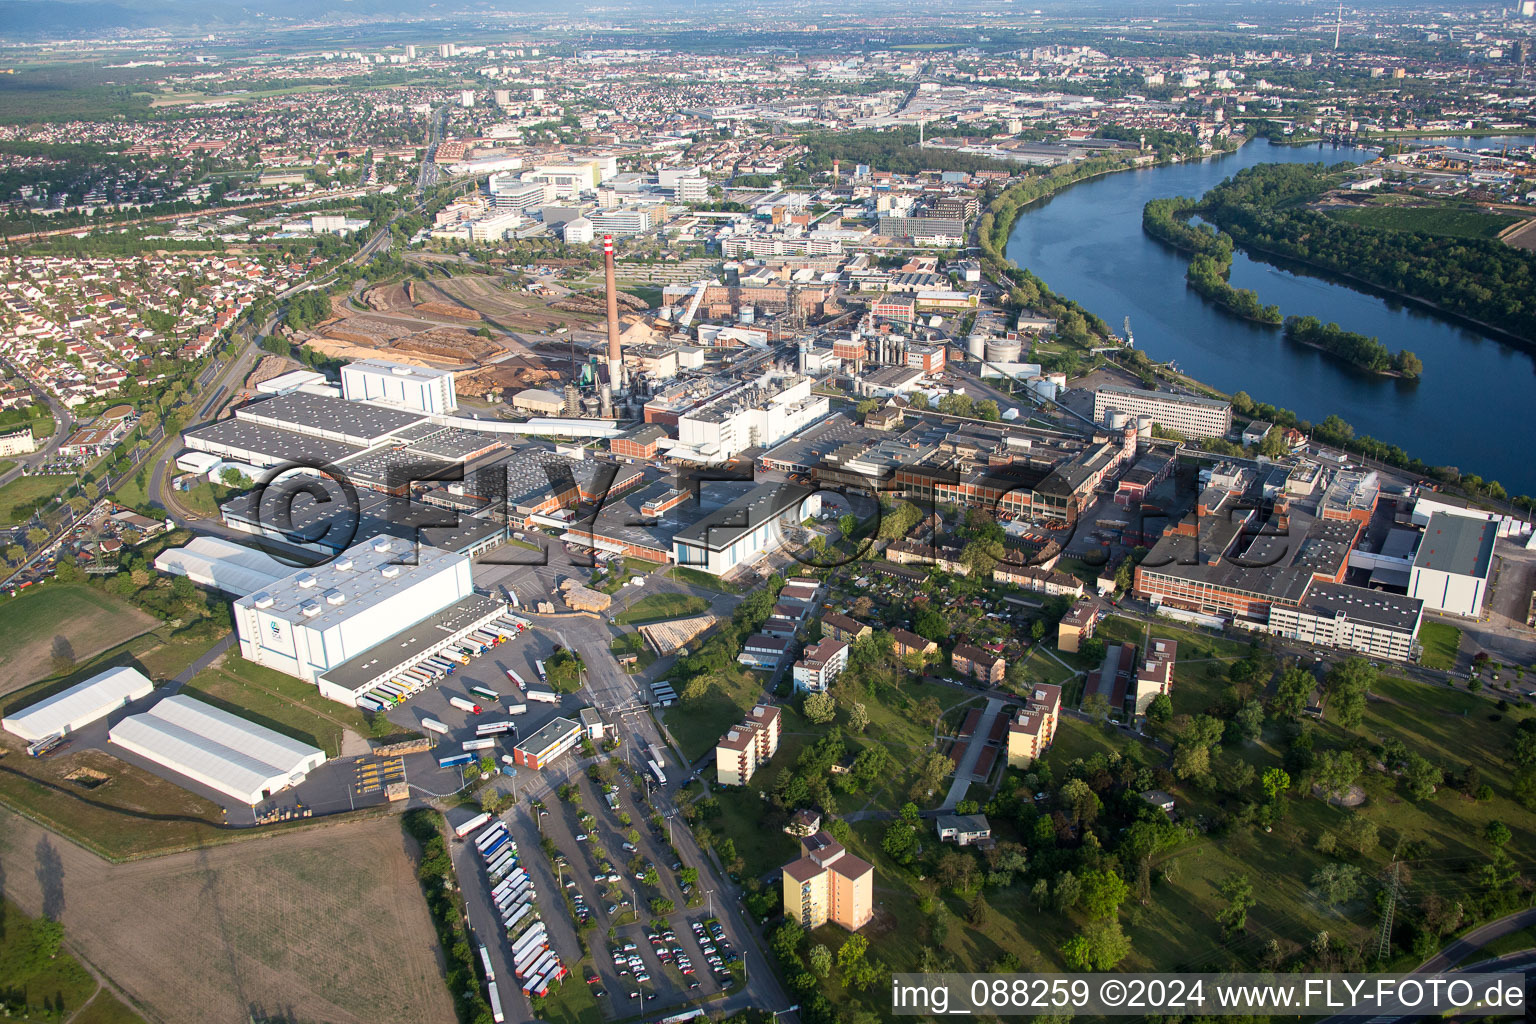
point(723, 527)
point(410, 643)
point(1457, 544)
point(1392, 611)
point(277, 445)
point(1164, 396)
point(333, 415)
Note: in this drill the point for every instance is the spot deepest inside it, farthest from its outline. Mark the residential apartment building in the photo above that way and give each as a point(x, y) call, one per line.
point(828, 883)
point(983, 666)
point(1034, 727)
point(841, 627)
point(1190, 415)
point(1156, 673)
point(1078, 625)
point(748, 746)
point(908, 643)
point(1041, 581)
point(819, 665)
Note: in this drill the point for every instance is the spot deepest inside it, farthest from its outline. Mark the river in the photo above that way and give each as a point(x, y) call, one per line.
point(1087, 244)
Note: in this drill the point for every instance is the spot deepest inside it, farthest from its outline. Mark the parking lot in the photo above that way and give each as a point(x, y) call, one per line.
point(605, 872)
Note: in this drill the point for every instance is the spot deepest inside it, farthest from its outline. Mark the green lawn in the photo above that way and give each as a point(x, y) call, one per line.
point(1440, 640)
point(697, 724)
point(106, 1008)
point(571, 1001)
point(702, 579)
point(662, 606)
point(304, 697)
point(21, 496)
point(633, 643)
point(34, 980)
point(1459, 221)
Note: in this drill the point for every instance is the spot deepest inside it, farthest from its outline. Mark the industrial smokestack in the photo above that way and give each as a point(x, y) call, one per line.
point(615, 358)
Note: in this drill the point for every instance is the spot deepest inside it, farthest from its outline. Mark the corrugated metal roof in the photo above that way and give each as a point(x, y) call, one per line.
point(81, 703)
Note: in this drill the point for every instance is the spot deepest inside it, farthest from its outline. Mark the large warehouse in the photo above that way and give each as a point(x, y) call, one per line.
point(318, 618)
point(1450, 571)
point(223, 565)
point(80, 705)
point(750, 526)
point(217, 749)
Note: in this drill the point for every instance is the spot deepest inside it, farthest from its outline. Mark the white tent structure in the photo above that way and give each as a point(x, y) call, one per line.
point(224, 565)
point(79, 705)
point(222, 751)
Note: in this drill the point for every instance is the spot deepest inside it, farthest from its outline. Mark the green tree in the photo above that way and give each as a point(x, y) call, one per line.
point(819, 708)
point(820, 958)
point(1292, 693)
point(858, 717)
point(1336, 771)
point(1275, 781)
point(1335, 884)
point(1348, 683)
point(1160, 710)
point(1099, 947)
point(1102, 892)
point(1237, 891)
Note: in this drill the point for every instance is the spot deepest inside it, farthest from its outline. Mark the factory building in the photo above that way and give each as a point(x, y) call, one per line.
point(417, 388)
point(216, 749)
point(748, 527)
point(79, 706)
point(555, 738)
point(1190, 415)
point(759, 413)
point(318, 618)
point(1450, 571)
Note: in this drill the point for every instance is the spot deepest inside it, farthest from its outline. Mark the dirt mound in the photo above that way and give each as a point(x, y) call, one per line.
point(585, 302)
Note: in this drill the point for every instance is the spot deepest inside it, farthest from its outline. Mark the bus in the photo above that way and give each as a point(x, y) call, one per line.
point(433, 725)
point(480, 743)
point(455, 760)
point(517, 680)
point(494, 728)
point(539, 666)
point(486, 692)
point(661, 776)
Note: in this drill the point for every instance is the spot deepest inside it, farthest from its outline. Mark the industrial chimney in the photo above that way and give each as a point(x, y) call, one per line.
point(615, 358)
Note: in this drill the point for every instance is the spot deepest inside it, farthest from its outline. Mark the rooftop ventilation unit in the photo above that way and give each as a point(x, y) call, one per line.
point(310, 608)
point(334, 597)
point(389, 571)
point(342, 564)
point(262, 599)
point(381, 545)
point(305, 580)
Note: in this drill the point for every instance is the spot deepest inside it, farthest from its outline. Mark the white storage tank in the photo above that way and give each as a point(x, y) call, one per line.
point(1115, 419)
point(976, 346)
point(1143, 426)
point(1001, 350)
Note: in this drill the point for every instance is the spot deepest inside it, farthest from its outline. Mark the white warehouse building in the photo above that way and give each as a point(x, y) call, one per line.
point(79, 706)
point(418, 388)
point(760, 413)
point(219, 750)
point(1450, 571)
point(318, 618)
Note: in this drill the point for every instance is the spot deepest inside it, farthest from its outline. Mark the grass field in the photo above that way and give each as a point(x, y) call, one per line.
point(571, 1002)
point(702, 579)
point(106, 1008)
point(325, 923)
point(697, 724)
point(661, 606)
point(36, 979)
point(264, 707)
point(88, 620)
point(1455, 221)
point(632, 643)
point(21, 496)
point(1440, 640)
